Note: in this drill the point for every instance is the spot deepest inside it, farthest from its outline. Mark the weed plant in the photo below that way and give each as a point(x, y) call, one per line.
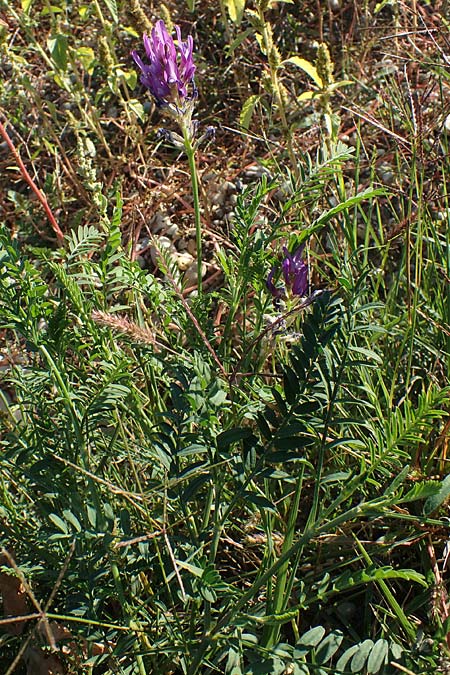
point(244, 474)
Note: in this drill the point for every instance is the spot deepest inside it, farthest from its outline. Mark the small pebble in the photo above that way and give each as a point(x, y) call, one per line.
point(256, 171)
point(230, 187)
point(207, 177)
point(192, 247)
point(218, 198)
point(442, 215)
point(142, 243)
point(172, 231)
point(190, 276)
point(160, 221)
point(387, 177)
point(184, 261)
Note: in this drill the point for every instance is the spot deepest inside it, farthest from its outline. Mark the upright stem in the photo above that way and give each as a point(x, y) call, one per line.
point(272, 632)
point(225, 618)
point(320, 460)
point(132, 624)
point(190, 152)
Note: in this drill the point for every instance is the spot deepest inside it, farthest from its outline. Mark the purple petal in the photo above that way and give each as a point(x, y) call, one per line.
point(295, 271)
point(269, 283)
point(148, 46)
point(297, 255)
point(275, 292)
point(138, 61)
point(187, 66)
point(300, 284)
point(287, 266)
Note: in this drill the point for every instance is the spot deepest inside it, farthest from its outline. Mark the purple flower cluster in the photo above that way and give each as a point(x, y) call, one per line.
point(295, 273)
point(171, 66)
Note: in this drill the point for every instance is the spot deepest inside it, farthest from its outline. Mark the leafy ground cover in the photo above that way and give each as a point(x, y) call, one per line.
point(225, 352)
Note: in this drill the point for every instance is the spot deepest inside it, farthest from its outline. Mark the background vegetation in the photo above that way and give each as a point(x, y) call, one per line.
point(220, 483)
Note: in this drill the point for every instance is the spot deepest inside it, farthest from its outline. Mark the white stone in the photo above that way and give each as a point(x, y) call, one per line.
point(184, 261)
point(190, 276)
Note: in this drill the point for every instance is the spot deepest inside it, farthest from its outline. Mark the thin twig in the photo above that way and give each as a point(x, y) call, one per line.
point(378, 125)
point(138, 540)
point(17, 619)
point(61, 575)
point(193, 319)
point(272, 327)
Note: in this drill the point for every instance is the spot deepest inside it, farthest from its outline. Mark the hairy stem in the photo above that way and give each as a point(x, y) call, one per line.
point(190, 152)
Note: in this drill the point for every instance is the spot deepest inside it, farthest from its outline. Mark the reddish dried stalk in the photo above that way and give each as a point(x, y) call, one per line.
point(39, 194)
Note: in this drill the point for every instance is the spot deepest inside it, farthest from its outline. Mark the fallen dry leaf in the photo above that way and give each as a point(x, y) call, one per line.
point(14, 598)
point(40, 663)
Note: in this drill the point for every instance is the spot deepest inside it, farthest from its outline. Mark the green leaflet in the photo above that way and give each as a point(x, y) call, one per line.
point(247, 111)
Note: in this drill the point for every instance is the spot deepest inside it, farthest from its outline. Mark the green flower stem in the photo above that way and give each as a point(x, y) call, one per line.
point(132, 624)
point(406, 624)
point(272, 632)
point(190, 152)
point(284, 124)
point(446, 261)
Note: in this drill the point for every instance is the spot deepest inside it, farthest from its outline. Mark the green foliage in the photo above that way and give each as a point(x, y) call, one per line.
point(221, 482)
point(109, 452)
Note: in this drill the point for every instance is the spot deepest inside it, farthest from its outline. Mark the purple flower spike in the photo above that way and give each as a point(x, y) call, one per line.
point(295, 271)
point(171, 67)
